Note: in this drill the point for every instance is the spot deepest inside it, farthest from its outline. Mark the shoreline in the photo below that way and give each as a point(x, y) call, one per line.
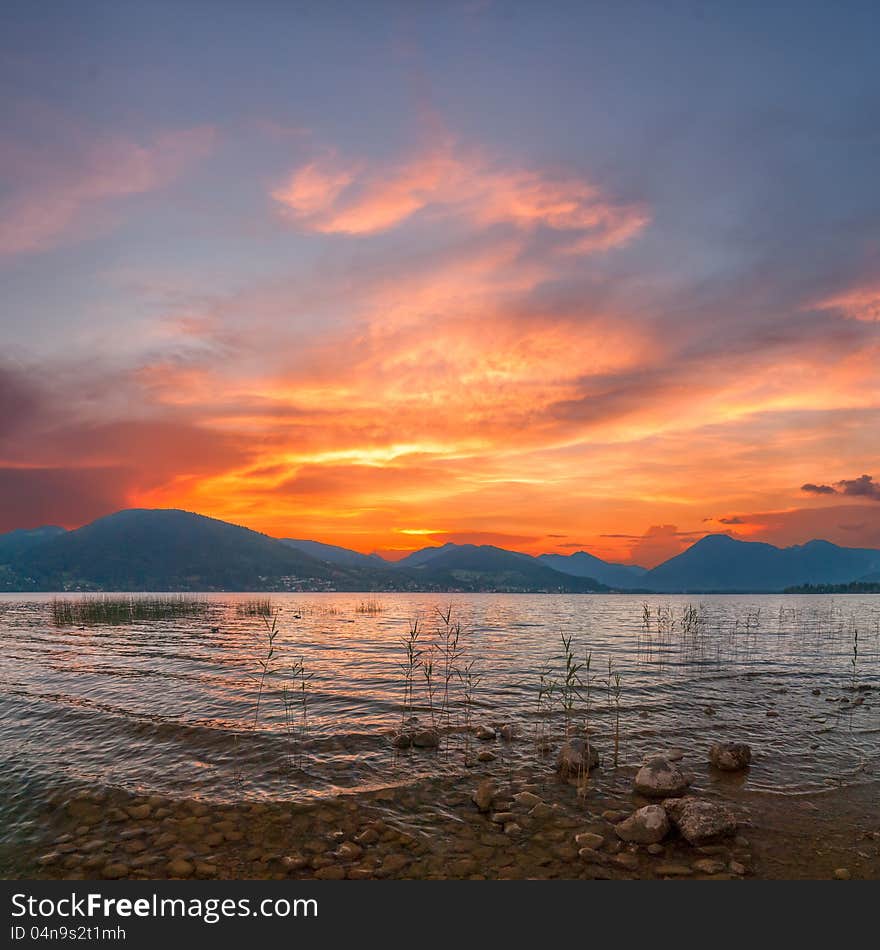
point(538, 826)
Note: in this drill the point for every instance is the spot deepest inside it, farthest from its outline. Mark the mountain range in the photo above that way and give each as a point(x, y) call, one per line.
point(171, 550)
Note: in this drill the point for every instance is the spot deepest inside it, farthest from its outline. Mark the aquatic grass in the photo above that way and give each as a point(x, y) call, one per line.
point(124, 609)
point(295, 698)
point(449, 648)
point(255, 607)
point(371, 606)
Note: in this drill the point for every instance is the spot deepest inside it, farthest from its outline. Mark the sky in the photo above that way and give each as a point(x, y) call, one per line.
point(554, 276)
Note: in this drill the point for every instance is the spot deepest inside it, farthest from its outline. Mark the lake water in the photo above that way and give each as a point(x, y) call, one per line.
point(169, 707)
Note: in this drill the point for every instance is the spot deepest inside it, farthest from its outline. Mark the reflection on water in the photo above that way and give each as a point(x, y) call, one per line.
point(168, 706)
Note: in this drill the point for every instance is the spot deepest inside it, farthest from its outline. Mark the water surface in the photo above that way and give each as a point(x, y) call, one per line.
point(170, 707)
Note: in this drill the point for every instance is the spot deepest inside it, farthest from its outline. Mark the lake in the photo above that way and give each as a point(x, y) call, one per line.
point(170, 707)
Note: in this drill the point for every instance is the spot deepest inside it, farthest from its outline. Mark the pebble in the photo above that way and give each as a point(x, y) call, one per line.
point(842, 874)
point(589, 840)
point(330, 873)
point(709, 866)
point(115, 870)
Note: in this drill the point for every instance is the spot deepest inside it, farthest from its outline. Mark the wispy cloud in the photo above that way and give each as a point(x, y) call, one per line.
point(53, 193)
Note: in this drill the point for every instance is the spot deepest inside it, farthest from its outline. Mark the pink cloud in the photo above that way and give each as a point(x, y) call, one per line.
point(859, 303)
point(50, 196)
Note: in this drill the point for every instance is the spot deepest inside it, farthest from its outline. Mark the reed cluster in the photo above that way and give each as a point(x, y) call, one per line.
point(124, 609)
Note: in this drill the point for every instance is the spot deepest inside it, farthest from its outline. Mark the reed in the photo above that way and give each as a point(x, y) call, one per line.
point(410, 668)
point(295, 697)
point(450, 650)
point(255, 607)
point(371, 606)
point(124, 609)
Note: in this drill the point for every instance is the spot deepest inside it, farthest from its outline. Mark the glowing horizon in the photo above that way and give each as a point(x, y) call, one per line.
point(558, 298)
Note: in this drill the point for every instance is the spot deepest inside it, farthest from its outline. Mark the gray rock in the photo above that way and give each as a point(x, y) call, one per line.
point(659, 778)
point(730, 756)
point(699, 820)
point(648, 825)
point(576, 757)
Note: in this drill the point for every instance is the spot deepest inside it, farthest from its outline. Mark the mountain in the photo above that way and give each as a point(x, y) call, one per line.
point(333, 554)
point(584, 564)
point(15, 543)
point(484, 567)
point(721, 563)
point(143, 549)
point(423, 556)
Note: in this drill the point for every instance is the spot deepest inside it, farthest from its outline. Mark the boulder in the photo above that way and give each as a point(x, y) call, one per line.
point(730, 756)
point(402, 740)
point(659, 778)
point(576, 757)
point(486, 733)
point(699, 820)
point(648, 825)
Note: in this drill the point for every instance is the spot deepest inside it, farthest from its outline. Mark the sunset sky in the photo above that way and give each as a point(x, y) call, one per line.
point(550, 276)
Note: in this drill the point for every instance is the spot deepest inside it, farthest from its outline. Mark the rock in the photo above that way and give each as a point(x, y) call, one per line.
point(656, 849)
point(367, 836)
point(699, 820)
point(842, 874)
point(817, 691)
point(502, 817)
point(589, 840)
point(730, 756)
point(139, 812)
point(612, 815)
point(486, 733)
point(402, 740)
point(542, 810)
point(673, 870)
point(115, 870)
point(736, 868)
point(627, 861)
point(527, 799)
point(576, 757)
point(180, 868)
point(648, 825)
point(349, 851)
point(709, 866)
point(426, 739)
point(330, 873)
point(507, 732)
point(512, 828)
point(660, 778)
point(294, 862)
point(772, 714)
point(486, 756)
point(484, 795)
point(394, 863)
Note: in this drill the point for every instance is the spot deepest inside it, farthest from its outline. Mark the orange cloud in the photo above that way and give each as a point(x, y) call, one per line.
point(332, 197)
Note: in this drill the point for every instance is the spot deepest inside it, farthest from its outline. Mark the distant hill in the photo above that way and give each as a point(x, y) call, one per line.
point(854, 587)
point(14, 544)
point(423, 556)
point(142, 549)
point(333, 554)
point(721, 563)
point(584, 564)
point(485, 567)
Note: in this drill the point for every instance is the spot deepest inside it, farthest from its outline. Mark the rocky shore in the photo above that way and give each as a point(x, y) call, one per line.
point(678, 815)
